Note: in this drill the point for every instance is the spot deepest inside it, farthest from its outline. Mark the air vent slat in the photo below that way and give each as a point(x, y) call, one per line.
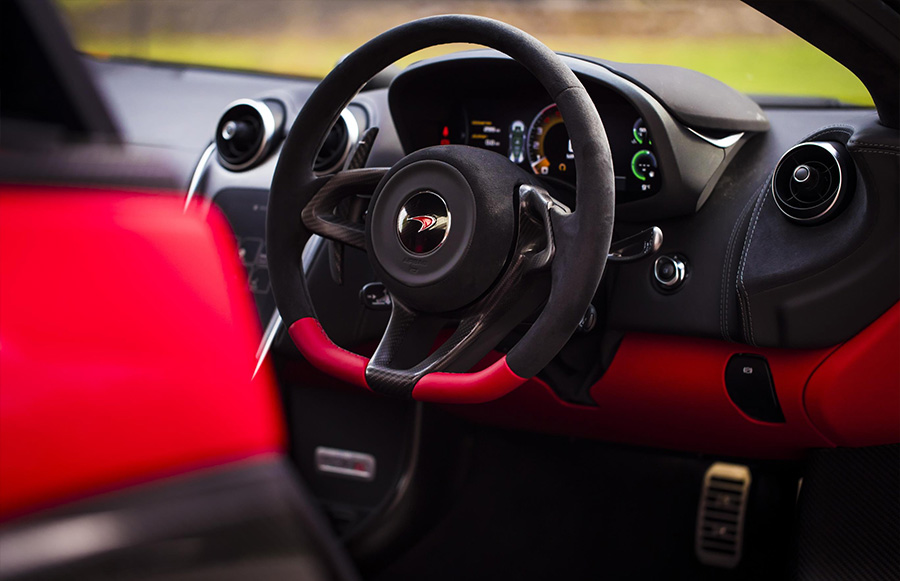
point(720, 517)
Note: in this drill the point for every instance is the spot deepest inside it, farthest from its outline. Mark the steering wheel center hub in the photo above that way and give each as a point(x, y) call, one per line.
point(442, 225)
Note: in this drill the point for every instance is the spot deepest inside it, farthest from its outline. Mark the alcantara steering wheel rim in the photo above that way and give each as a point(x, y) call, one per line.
point(575, 244)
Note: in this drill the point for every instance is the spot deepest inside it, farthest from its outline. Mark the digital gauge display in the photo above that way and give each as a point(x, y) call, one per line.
point(532, 134)
point(550, 153)
point(549, 148)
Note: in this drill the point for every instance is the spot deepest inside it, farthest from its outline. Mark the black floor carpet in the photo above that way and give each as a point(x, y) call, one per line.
point(538, 507)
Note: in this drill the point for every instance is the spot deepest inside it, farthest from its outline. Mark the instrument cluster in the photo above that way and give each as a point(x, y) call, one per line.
point(534, 135)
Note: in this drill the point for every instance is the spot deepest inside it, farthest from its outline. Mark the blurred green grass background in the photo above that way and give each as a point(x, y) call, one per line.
point(721, 38)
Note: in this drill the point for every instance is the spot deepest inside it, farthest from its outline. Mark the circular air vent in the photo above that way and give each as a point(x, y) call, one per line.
point(246, 132)
point(813, 181)
point(341, 139)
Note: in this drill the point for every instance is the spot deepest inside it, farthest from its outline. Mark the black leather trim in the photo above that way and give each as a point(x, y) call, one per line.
point(815, 286)
point(694, 99)
point(250, 519)
point(731, 325)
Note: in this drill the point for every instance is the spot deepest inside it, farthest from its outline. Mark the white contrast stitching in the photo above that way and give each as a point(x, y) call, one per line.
point(741, 286)
point(726, 275)
point(882, 151)
point(840, 128)
point(875, 145)
point(742, 289)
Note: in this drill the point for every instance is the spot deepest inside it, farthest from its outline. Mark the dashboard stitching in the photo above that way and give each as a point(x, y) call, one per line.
point(838, 127)
point(875, 145)
point(742, 290)
point(845, 129)
point(726, 275)
point(876, 151)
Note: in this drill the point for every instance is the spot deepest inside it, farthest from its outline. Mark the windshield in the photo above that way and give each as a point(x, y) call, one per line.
point(722, 38)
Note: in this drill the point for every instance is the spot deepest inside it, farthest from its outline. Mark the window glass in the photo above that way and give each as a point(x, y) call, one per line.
point(722, 38)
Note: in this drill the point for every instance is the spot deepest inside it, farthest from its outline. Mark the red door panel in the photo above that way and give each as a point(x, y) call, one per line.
point(854, 396)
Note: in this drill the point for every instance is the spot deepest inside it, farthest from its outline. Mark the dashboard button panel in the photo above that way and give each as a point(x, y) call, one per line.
point(750, 386)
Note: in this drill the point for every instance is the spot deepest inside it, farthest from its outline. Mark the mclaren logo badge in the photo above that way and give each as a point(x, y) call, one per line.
point(426, 222)
point(423, 223)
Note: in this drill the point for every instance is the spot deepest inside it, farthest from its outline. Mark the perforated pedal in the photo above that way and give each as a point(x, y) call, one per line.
point(720, 517)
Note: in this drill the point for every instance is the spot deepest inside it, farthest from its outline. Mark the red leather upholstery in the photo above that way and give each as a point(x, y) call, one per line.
point(854, 396)
point(127, 342)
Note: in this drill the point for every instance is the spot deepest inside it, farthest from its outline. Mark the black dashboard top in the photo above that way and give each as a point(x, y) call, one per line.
point(663, 168)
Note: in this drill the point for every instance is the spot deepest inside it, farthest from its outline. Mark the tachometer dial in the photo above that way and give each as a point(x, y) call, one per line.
point(549, 148)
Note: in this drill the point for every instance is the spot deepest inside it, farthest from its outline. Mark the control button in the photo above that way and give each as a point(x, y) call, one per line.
point(354, 465)
point(801, 174)
point(375, 297)
point(262, 259)
point(669, 272)
point(665, 270)
point(589, 320)
point(229, 130)
point(248, 248)
point(748, 381)
point(259, 281)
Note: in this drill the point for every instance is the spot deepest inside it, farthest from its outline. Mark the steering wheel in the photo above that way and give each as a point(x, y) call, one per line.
point(458, 235)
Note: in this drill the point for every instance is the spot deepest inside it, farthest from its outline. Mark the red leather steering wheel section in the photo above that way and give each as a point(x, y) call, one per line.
point(318, 349)
point(488, 384)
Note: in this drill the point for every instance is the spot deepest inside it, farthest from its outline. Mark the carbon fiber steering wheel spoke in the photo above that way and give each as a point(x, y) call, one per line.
point(320, 215)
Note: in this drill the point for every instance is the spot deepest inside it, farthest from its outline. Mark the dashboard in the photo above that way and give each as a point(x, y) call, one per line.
point(713, 155)
point(756, 282)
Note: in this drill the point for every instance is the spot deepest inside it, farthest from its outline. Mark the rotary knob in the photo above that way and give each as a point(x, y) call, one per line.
point(669, 272)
